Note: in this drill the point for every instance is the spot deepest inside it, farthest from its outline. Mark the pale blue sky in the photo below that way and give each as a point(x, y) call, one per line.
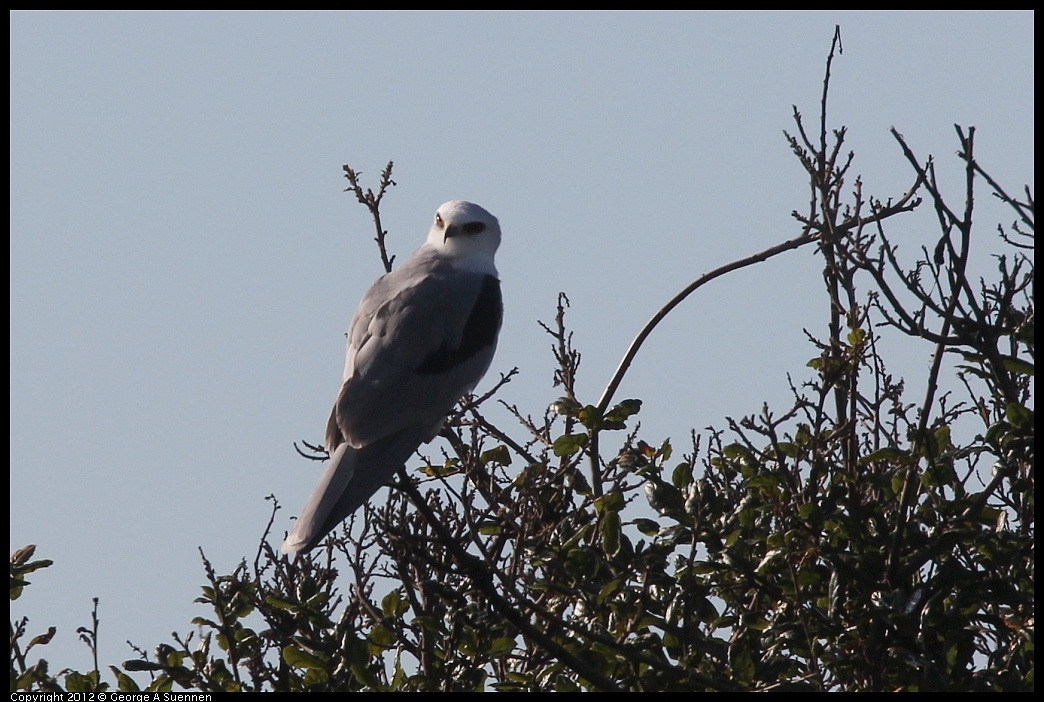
point(184, 262)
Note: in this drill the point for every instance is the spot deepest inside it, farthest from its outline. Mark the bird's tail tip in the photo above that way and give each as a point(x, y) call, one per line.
point(292, 544)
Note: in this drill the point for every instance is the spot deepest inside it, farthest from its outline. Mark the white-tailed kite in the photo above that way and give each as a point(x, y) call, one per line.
point(423, 336)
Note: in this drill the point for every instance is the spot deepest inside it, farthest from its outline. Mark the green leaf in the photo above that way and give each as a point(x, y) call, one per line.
point(1018, 366)
point(565, 407)
point(23, 554)
point(612, 501)
point(681, 478)
point(611, 532)
point(281, 604)
point(590, 417)
point(989, 515)
point(648, 527)
point(488, 528)
point(938, 442)
point(500, 646)
point(885, 455)
point(451, 467)
point(20, 566)
point(616, 418)
point(124, 682)
point(666, 450)
point(297, 658)
point(393, 605)
point(382, 637)
point(43, 639)
point(766, 560)
point(317, 600)
point(162, 683)
point(78, 682)
point(136, 665)
point(664, 497)
point(737, 452)
point(568, 444)
point(581, 563)
point(763, 481)
point(1018, 415)
point(610, 588)
point(579, 483)
point(35, 565)
point(498, 456)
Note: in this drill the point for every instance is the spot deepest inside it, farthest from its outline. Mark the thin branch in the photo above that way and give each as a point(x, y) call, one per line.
point(834, 44)
point(318, 453)
point(912, 480)
point(372, 202)
point(797, 242)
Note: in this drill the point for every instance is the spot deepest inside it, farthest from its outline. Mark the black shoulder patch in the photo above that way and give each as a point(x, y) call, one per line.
point(480, 331)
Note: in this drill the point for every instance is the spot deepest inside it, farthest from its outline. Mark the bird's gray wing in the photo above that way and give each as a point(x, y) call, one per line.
point(423, 337)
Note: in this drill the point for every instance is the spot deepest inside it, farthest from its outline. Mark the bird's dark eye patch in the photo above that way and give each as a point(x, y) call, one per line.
point(474, 228)
point(438, 221)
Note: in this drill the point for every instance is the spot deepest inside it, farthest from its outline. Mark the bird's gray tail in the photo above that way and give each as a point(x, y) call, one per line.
point(351, 477)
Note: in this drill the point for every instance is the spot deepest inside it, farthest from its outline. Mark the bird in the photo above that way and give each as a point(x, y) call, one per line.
point(422, 337)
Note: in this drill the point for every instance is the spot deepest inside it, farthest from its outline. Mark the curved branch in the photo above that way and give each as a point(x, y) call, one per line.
point(621, 370)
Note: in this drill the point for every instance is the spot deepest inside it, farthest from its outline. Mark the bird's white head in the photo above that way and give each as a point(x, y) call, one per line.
point(467, 233)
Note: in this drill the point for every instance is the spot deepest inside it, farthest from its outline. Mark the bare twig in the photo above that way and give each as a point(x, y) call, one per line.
point(317, 452)
point(372, 202)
